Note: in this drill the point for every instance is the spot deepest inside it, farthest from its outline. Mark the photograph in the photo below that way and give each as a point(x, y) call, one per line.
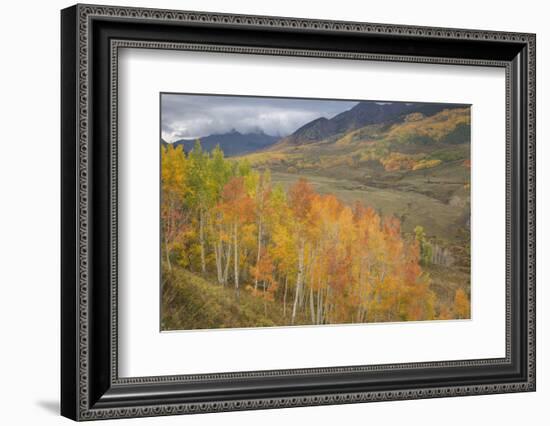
point(312, 212)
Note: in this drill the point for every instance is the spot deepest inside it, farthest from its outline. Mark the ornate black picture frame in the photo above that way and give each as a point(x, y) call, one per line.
point(91, 387)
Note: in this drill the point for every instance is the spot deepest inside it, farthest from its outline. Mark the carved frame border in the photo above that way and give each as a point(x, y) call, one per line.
point(84, 15)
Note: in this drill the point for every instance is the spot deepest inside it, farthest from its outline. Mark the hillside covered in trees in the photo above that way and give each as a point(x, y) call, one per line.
point(368, 225)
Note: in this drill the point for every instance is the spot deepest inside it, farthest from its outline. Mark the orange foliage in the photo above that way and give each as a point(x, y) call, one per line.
point(236, 204)
point(461, 305)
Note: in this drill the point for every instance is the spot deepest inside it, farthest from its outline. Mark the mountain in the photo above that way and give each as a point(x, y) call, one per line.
point(313, 131)
point(361, 115)
point(232, 143)
point(379, 153)
point(417, 167)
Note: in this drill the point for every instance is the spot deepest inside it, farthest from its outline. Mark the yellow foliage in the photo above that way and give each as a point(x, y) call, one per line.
point(415, 116)
point(426, 164)
point(397, 161)
point(436, 127)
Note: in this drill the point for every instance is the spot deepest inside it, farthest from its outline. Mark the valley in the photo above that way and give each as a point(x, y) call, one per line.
point(411, 207)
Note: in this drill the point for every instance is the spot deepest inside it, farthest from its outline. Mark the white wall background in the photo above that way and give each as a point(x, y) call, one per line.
point(29, 212)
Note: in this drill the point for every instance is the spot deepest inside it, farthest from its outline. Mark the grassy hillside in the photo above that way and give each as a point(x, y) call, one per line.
point(193, 302)
point(381, 155)
point(364, 114)
point(417, 170)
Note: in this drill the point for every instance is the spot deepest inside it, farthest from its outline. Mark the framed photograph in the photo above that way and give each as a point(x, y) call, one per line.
point(263, 212)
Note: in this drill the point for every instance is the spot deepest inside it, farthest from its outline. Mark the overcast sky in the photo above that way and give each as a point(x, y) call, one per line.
point(193, 116)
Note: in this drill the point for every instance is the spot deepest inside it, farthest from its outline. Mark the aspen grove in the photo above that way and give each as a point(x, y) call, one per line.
point(320, 260)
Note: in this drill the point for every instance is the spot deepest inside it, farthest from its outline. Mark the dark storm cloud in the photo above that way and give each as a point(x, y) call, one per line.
point(191, 116)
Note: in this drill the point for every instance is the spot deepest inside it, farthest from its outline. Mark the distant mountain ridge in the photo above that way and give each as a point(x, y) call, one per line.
point(362, 114)
point(232, 143)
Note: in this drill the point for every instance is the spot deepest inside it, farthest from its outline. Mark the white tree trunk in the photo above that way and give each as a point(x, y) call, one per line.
point(284, 296)
point(201, 238)
point(236, 258)
point(299, 280)
point(218, 250)
point(227, 263)
point(258, 254)
point(311, 305)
